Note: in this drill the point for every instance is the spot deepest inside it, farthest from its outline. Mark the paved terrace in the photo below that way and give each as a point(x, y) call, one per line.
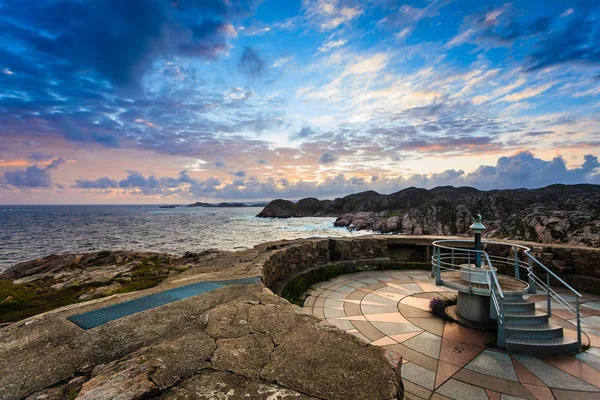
point(445, 360)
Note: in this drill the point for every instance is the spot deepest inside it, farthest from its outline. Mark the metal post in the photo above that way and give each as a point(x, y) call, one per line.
point(578, 321)
point(478, 247)
point(431, 261)
point(501, 334)
point(532, 284)
point(517, 274)
point(548, 291)
point(469, 278)
point(478, 228)
point(452, 257)
point(438, 278)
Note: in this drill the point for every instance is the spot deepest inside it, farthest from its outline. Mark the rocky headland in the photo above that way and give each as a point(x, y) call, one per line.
point(567, 214)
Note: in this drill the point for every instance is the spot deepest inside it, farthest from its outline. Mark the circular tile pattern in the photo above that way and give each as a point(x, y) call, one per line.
point(390, 309)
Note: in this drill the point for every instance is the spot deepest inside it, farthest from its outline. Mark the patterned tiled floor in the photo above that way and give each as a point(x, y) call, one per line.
point(445, 360)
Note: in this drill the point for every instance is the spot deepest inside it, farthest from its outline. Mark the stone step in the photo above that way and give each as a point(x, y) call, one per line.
point(541, 331)
point(535, 317)
point(537, 347)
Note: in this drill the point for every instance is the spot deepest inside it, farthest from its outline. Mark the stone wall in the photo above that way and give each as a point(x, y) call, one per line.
point(578, 266)
point(287, 260)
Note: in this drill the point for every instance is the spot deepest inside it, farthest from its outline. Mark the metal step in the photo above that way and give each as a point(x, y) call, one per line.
point(519, 306)
point(535, 317)
point(537, 347)
point(541, 331)
point(513, 296)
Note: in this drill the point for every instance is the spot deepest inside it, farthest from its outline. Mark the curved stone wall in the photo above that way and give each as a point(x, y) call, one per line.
point(578, 266)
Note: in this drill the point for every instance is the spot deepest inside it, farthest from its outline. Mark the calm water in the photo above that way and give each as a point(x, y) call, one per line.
point(28, 232)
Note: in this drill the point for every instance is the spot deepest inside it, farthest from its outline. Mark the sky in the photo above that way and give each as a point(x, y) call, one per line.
point(151, 101)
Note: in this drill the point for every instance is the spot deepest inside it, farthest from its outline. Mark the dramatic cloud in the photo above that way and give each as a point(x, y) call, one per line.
point(32, 177)
point(571, 36)
point(100, 183)
point(141, 31)
point(327, 158)
point(330, 96)
point(304, 133)
point(520, 170)
point(578, 41)
point(250, 63)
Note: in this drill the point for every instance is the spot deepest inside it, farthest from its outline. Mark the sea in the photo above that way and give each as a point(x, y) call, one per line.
point(30, 232)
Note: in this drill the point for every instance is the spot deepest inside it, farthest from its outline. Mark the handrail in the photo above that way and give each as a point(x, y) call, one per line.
point(440, 260)
point(494, 275)
point(552, 273)
point(555, 295)
point(527, 252)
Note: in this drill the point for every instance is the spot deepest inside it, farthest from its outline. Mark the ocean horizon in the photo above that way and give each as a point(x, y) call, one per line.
point(33, 231)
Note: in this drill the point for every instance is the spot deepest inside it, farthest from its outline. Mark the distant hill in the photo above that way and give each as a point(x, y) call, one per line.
point(553, 214)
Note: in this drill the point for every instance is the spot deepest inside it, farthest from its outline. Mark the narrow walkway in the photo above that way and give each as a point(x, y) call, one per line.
point(101, 316)
point(445, 360)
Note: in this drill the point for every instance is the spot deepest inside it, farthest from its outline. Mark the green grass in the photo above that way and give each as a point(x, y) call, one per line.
point(36, 297)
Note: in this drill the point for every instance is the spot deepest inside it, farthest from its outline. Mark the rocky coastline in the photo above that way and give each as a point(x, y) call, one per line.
point(568, 214)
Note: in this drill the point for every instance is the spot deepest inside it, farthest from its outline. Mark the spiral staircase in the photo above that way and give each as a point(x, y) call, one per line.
point(522, 327)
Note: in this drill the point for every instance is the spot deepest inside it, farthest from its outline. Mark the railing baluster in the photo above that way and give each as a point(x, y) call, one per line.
point(517, 273)
point(435, 249)
point(469, 278)
point(548, 291)
point(438, 278)
point(501, 334)
point(578, 321)
point(532, 284)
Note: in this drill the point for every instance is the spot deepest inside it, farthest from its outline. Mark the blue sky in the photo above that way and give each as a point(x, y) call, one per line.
point(149, 101)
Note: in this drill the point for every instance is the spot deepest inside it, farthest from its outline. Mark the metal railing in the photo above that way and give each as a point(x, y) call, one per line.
point(459, 258)
point(453, 255)
point(551, 293)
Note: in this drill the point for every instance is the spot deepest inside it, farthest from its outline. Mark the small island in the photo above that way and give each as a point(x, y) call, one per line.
point(218, 205)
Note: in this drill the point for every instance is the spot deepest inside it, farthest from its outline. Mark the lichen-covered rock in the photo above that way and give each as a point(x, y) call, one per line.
point(100, 291)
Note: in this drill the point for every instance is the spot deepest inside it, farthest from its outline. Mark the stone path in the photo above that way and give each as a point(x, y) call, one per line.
point(445, 360)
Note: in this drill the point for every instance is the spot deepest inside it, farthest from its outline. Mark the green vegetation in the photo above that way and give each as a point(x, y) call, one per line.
point(293, 290)
point(25, 300)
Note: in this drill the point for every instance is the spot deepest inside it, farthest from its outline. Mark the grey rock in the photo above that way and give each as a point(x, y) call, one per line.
point(246, 355)
point(219, 385)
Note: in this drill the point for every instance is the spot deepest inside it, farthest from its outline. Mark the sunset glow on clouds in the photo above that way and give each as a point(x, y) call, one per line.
point(148, 101)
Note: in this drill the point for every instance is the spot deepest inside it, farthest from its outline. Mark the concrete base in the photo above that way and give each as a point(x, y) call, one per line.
point(451, 312)
point(473, 307)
